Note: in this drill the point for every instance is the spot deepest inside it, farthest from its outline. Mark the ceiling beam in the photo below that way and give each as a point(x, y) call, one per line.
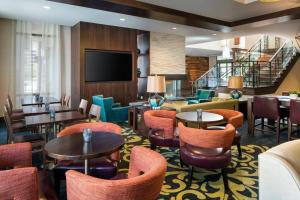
point(150, 11)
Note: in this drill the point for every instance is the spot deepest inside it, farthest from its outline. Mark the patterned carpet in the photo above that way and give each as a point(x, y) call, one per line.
point(207, 184)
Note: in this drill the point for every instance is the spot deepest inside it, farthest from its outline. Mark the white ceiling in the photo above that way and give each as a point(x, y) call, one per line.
point(227, 10)
point(69, 15)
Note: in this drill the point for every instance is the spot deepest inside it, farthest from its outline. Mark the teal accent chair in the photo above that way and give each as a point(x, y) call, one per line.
point(109, 113)
point(201, 96)
point(114, 105)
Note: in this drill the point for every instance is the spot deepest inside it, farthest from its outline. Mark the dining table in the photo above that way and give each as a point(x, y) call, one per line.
point(32, 101)
point(284, 103)
point(73, 147)
point(191, 117)
point(34, 110)
point(45, 119)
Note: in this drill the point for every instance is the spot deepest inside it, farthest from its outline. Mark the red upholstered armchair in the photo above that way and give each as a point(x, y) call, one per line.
point(162, 128)
point(146, 174)
point(208, 149)
point(234, 118)
point(105, 167)
point(21, 182)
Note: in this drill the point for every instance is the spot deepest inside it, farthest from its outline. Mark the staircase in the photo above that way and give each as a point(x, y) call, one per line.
point(263, 68)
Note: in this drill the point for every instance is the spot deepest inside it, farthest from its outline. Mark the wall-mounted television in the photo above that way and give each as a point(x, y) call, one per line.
point(107, 66)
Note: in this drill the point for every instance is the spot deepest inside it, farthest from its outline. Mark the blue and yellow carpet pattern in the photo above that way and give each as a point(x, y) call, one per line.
point(207, 184)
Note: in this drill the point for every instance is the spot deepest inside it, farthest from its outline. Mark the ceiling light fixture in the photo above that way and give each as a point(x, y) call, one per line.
point(174, 28)
point(47, 7)
point(122, 19)
point(214, 34)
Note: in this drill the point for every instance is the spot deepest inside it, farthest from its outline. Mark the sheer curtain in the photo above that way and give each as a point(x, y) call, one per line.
point(40, 68)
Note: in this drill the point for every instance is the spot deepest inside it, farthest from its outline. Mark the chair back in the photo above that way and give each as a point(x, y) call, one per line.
point(83, 106)
point(266, 107)
point(98, 100)
point(285, 93)
point(94, 112)
point(146, 174)
point(206, 138)
point(164, 120)
point(295, 111)
point(62, 99)
point(9, 103)
point(66, 100)
point(233, 117)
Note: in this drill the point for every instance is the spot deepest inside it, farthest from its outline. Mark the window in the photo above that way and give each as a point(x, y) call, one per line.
point(32, 66)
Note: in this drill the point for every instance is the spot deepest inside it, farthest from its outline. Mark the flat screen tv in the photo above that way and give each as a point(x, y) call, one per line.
point(107, 66)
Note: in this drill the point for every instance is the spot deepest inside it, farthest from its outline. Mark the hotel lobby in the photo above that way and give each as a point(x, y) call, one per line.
point(147, 99)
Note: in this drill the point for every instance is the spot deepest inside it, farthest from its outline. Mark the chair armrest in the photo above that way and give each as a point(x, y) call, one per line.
point(16, 155)
point(115, 105)
point(278, 179)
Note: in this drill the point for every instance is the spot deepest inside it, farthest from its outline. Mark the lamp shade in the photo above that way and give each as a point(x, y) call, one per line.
point(156, 84)
point(235, 82)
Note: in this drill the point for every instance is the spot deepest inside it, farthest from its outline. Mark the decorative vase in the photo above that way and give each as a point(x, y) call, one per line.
point(236, 94)
point(293, 96)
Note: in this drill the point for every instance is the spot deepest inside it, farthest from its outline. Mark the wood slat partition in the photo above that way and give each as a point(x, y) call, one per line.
point(102, 37)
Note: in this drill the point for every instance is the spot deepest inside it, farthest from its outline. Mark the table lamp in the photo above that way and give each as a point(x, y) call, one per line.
point(235, 83)
point(156, 84)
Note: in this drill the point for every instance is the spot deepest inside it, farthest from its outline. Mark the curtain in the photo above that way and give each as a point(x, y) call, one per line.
point(40, 66)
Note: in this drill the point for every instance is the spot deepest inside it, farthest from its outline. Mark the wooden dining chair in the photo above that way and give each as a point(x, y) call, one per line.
point(266, 108)
point(294, 117)
point(34, 138)
point(94, 113)
point(67, 100)
point(9, 102)
point(83, 106)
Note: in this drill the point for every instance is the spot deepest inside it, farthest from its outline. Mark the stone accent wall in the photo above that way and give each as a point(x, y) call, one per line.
point(167, 54)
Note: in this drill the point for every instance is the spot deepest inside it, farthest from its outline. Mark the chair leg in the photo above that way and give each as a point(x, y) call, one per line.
point(289, 130)
point(239, 149)
point(181, 163)
point(252, 125)
point(191, 171)
point(262, 125)
point(153, 147)
point(225, 179)
point(57, 183)
point(278, 131)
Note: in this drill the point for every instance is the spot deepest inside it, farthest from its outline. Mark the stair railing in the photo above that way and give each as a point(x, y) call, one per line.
point(256, 73)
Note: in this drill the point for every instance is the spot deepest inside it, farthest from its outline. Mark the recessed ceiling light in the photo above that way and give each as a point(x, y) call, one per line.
point(47, 7)
point(122, 19)
point(174, 28)
point(214, 34)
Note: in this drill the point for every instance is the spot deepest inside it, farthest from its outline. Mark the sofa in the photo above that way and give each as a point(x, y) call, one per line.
point(183, 106)
point(279, 172)
point(108, 112)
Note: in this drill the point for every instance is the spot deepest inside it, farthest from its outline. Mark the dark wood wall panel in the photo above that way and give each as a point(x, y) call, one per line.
point(102, 37)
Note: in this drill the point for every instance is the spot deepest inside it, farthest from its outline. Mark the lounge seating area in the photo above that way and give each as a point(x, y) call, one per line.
point(146, 100)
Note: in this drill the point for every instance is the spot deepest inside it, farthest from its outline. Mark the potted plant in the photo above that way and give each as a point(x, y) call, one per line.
point(293, 94)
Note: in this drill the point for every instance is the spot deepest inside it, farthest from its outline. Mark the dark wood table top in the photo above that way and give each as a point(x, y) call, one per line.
point(31, 101)
point(206, 117)
point(73, 147)
point(43, 119)
point(34, 110)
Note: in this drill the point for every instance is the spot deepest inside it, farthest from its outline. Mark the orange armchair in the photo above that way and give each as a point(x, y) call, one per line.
point(209, 149)
point(21, 182)
point(233, 117)
point(145, 178)
point(162, 128)
point(100, 167)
